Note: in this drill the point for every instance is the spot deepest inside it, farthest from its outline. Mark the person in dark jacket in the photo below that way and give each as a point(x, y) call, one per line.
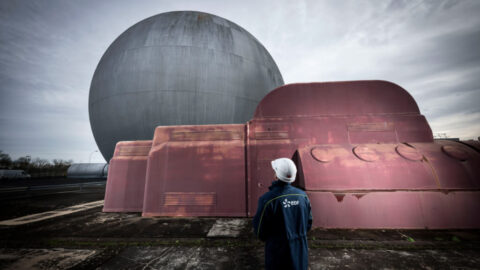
point(282, 220)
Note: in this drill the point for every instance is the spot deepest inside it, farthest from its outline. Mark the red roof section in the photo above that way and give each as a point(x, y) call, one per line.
point(337, 98)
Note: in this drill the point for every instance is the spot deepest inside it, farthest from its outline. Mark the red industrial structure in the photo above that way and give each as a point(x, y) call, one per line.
point(365, 156)
point(126, 180)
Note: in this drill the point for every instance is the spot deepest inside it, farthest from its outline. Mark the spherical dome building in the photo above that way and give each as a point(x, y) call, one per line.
point(177, 68)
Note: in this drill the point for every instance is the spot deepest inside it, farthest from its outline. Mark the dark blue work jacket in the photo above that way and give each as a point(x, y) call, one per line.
point(282, 220)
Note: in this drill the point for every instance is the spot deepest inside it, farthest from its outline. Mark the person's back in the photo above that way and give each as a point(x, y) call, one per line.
point(282, 220)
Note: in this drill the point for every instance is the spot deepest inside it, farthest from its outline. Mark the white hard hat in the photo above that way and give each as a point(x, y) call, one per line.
point(285, 169)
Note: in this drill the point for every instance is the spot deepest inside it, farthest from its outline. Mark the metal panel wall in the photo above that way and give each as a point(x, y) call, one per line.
point(364, 160)
point(392, 185)
point(196, 171)
point(337, 113)
point(126, 177)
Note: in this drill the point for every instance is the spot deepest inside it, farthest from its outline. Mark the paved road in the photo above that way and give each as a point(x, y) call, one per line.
point(32, 196)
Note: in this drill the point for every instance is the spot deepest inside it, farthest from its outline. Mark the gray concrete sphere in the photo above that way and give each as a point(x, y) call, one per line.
point(177, 68)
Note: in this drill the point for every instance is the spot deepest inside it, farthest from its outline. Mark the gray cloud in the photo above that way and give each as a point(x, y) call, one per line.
point(50, 49)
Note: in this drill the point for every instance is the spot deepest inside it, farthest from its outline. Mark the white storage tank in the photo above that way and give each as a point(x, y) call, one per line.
point(87, 170)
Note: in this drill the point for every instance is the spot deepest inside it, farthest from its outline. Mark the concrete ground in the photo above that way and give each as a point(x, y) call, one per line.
point(91, 239)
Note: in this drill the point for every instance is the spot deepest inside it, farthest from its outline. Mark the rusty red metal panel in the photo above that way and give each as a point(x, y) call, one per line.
point(473, 144)
point(365, 155)
point(456, 165)
point(374, 167)
point(383, 166)
point(340, 114)
point(396, 209)
point(395, 186)
point(336, 98)
point(126, 177)
point(197, 171)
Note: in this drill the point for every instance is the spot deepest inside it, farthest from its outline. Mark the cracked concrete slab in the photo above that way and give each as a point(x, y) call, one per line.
point(172, 257)
point(227, 228)
point(56, 258)
point(324, 259)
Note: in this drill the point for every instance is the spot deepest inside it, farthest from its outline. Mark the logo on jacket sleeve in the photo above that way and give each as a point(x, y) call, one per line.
point(286, 203)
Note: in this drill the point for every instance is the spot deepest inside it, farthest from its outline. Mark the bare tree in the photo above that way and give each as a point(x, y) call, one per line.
point(41, 163)
point(5, 160)
point(38, 167)
point(22, 163)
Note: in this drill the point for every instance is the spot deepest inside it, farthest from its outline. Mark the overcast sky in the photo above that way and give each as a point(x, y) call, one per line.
point(49, 51)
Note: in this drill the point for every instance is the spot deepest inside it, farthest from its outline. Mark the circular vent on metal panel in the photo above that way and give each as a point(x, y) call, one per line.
point(365, 153)
point(322, 154)
point(408, 152)
point(455, 152)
